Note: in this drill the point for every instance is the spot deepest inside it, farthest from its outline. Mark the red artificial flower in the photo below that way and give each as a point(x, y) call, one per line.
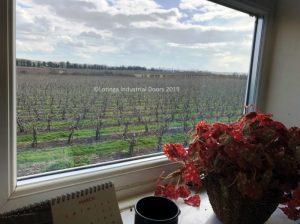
point(218, 129)
point(237, 135)
point(171, 192)
point(175, 151)
point(255, 154)
point(183, 191)
point(191, 174)
point(257, 116)
point(202, 127)
point(292, 208)
point(193, 200)
point(194, 148)
point(292, 213)
point(160, 190)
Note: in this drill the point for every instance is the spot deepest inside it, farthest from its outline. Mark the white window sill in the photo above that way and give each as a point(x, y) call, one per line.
point(130, 178)
point(192, 215)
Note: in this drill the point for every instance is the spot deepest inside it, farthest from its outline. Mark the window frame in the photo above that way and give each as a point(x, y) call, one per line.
point(130, 177)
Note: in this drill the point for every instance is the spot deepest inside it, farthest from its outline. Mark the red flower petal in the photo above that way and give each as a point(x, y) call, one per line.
point(193, 200)
point(175, 151)
point(183, 191)
point(191, 174)
point(160, 190)
point(292, 213)
point(171, 192)
point(202, 127)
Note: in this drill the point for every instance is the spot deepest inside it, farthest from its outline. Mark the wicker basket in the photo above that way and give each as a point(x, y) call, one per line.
point(233, 208)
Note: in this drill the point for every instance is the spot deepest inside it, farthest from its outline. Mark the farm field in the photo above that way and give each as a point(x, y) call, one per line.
point(70, 120)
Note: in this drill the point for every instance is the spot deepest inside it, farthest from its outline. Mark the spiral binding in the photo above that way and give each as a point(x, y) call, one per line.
point(41, 212)
point(81, 193)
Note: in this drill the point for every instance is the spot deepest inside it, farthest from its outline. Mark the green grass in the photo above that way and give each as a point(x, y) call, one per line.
point(63, 135)
point(108, 121)
point(59, 165)
point(74, 152)
point(58, 153)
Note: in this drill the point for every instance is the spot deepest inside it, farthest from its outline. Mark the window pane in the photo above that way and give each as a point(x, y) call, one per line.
point(102, 80)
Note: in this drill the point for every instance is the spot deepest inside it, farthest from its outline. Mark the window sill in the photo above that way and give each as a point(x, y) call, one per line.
point(129, 178)
point(192, 215)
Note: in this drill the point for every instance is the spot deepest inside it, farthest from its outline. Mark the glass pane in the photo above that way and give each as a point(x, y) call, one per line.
point(102, 80)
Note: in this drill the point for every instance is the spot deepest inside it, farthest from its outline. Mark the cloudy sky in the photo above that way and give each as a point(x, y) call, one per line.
point(179, 34)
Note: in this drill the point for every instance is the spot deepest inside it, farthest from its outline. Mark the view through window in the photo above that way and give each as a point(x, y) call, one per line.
point(102, 80)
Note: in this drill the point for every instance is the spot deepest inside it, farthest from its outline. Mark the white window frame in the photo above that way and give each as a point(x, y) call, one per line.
point(130, 177)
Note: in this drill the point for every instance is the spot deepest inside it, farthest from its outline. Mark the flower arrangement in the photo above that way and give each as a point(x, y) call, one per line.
point(256, 154)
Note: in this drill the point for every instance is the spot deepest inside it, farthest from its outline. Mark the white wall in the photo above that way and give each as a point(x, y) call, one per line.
point(282, 88)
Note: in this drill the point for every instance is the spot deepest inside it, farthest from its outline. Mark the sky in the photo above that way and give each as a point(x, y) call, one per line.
point(170, 34)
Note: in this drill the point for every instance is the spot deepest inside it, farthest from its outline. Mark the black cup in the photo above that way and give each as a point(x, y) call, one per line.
point(153, 210)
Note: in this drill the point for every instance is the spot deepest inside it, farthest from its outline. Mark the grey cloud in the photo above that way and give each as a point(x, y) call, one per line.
point(81, 12)
point(141, 45)
point(119, 24)
point(72, 5)
point(90, 34)
point(40, 28)
point(183, 36)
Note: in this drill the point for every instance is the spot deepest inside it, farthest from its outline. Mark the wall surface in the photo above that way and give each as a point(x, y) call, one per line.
point(282, 91)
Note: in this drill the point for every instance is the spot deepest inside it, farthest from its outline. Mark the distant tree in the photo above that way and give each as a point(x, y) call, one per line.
point(36, 112)
point(34, 136)
point(163, 128)
point(28, 63)
point(98, 127)
point(125, 131)
point(20, 124)
point(132, 143)
point(71, 134)
point(73, 128)
point(49, 122)
point(63, 113)
point(145, 123)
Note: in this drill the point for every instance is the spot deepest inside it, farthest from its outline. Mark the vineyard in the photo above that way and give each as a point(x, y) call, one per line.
point(70, 120)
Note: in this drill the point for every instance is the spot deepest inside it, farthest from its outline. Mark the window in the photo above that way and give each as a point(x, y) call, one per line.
point(100, 81)
point(159, 46)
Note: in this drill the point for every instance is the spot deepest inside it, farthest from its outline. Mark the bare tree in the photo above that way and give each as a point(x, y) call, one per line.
point(125, 131)
point(71, 134)
point(137, 114)
point(73, 128)
point(145, 123)
point(20, 124)
point(132, 143)
point(98, 127)
point(163, 128)
point(51, 104)
point(37, 113)
point(78, 117)
point(63, 114)
point(49, 122)
point(34, 136)
point(156, 114)
point(85, 111)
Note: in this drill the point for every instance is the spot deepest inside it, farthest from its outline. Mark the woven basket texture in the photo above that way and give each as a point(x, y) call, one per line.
point(231, 207)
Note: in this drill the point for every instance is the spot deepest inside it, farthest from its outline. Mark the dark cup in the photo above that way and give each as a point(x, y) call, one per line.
point(153, 209)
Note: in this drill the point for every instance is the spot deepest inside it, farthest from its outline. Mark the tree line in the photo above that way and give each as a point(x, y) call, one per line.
point(69, 65)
